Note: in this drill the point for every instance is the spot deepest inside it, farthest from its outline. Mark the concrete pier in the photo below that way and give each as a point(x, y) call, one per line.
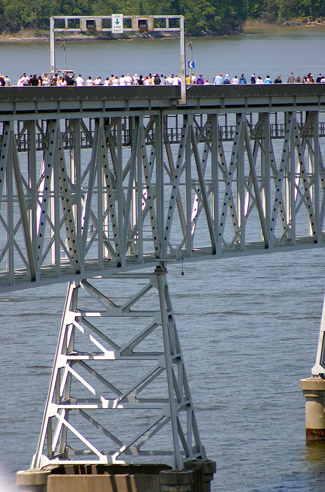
point(314, 391)
point(196, 477)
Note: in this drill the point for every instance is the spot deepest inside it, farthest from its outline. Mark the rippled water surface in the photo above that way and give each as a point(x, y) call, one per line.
point(300, 51)
point(248, 327)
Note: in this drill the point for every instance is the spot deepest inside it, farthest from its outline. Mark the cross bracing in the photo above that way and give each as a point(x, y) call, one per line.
point(102, 183)
point(119, 361)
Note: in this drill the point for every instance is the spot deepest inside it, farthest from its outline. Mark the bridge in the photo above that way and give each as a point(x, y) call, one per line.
point(100, 179)
point(106, 186)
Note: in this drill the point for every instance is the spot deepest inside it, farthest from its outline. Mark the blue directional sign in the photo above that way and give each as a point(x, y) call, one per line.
point(191, 64)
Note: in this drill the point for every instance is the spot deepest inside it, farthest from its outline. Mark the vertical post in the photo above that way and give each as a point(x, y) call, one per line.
point(52, 45)
point(240, 122)
point(188, 120)
point(52, 396)
point(314, 391)
point(32, 184)
point(10, 208)
point(215, 182)
point(183, 60)
point(161, 122)
point(190, 45)
point(266, 157)
point(319, 368)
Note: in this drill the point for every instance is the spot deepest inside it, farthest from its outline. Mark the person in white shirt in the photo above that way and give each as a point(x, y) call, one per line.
point(235, 80)
point(61, 82)
point(128, 79)
point(193, 79)
point(79, 81)
point(45, 80)
point(135, 79)
point(98, 81)
point(89, 81)
point(122, 80)
point(177, 80)
point(23, 81)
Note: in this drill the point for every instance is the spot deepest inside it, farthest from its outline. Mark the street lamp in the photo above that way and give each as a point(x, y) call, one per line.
point(65, 54)
point(190, 45)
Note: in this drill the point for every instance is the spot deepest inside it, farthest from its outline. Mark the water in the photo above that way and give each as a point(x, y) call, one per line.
point(248, 327)
point(300, 51)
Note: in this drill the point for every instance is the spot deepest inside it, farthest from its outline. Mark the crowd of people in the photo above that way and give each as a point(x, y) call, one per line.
point(70, 79)
point(307, 79)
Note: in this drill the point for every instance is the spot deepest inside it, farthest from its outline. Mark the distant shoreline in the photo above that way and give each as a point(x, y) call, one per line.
point(250, 27)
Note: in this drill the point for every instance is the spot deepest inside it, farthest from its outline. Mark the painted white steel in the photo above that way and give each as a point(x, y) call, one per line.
point(117, 27)
point(319, 367)
point(77, 387)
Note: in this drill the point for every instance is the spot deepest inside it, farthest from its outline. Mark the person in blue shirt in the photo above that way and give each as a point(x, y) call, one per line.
point(242, 79)
point(218, 79)
point(267, 80)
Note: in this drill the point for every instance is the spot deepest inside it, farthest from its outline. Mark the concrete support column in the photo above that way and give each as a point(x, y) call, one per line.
point(32, 480)
point(177, 481)
point(205, 470)
point(196, 477)
point(314, 392)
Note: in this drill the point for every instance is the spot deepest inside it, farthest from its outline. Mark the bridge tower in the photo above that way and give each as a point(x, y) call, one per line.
point(119, 369)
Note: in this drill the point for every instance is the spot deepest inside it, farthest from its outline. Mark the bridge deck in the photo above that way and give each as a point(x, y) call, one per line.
point(23, 101)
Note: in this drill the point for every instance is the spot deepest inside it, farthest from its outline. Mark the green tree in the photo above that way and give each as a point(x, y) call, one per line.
point(2, 18)
point(255, 8)
point(200, 17)
point(270, 13)
point(206, 16)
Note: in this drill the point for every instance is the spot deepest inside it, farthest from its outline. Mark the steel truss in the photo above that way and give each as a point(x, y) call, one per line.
point(118, 370)
point(89, 191)
point(122, 191)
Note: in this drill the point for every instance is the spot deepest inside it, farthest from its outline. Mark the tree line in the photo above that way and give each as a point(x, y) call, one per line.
point(201, 17)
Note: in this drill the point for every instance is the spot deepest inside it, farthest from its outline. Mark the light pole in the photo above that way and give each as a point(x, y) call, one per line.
point(190, 45)
point(65, 55)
